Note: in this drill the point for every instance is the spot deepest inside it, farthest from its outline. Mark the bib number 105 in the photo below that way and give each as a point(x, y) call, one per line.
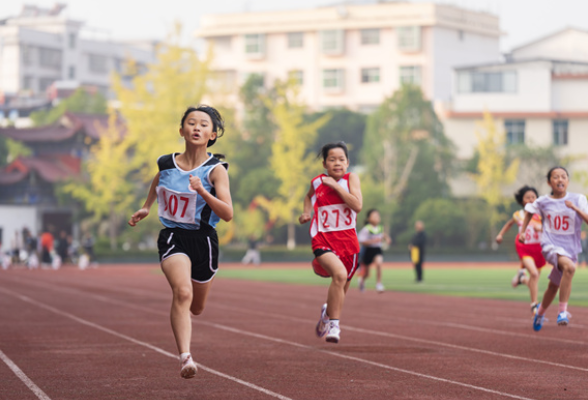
point(560, 224)
point(337, 217)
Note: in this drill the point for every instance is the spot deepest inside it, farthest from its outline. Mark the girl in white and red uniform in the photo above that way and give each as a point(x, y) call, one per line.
point(529, 252)
point(335, 198)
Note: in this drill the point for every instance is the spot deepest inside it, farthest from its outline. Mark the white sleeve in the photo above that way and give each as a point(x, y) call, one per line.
point(363, 235)
point(583, 203)
point(533, 207)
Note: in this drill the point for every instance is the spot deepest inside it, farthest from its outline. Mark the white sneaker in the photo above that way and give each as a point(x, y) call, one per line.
point(323, 323)
point(188, 368)
point(334, 332)
point(518, 278)
point(380, 288)
point(361, 285)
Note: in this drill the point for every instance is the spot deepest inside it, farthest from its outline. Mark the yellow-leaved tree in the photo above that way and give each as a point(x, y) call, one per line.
point(291, 159)
point(152, 103)
point(493, 173)
point(108, 192)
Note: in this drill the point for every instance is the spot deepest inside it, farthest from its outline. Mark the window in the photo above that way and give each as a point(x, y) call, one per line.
point(295, 40)
point(49, 58)
point(297, 75)
point(560, 132)
point(27, 54)
point(333, 80)
point(44, 83)
point(97, 63)
point(71, 72)
point(409, 38)
point(370, 36)
point(410, 75)
point(255, 45)
point(27, 82)
point(487, 82)
point(332, 42)
point(515, 131)
point(369, 75)
point(72, 40)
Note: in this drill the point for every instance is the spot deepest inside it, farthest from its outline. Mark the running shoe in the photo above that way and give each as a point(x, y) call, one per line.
point(380, 288)
point(563, 318)
point(323, 324)
point(334, 333)
point(361, 285)
point(188, 368)
point(518, 278)
point(538, 322)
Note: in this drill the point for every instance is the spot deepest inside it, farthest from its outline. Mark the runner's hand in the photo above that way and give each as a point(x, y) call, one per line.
point(138, 216)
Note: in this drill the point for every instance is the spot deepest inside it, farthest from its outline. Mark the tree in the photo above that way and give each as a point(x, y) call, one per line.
point(11, 149)
point(406, 150)
point(493, 172)
point(291, 158)
point(444, 221)
point(534, 162)
point(109, 190)
point(153, 103)
point(83, 100)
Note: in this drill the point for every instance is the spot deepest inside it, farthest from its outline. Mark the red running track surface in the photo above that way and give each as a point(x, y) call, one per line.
point(104, 334)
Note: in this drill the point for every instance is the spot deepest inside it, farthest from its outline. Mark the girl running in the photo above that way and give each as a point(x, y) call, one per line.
point(193, 195)
point(336, 199)
point(370, 238)
point(562, 214)
point(530, 252)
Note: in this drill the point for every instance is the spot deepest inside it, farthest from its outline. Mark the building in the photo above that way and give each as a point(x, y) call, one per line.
point(41, 46)
point(352, 55)
point(538, 95)
point(27, 184)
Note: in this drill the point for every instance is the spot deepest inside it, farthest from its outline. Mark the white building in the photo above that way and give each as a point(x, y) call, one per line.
point(42, 46)
point(539, 96)
point(352, 55)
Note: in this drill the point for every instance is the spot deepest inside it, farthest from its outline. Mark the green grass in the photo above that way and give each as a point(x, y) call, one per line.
point(480, 282)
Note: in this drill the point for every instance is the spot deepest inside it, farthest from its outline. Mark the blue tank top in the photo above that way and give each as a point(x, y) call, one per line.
point(178, 205)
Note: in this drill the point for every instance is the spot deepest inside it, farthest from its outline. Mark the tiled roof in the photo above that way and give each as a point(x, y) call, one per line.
point(51, 168)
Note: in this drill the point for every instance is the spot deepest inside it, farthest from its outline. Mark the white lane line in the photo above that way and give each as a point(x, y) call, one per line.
point(349, 327)
point(22, 376)
point(283, 341)
point(140, 343)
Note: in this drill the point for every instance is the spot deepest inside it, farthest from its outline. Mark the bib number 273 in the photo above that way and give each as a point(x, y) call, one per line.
point(337, 217)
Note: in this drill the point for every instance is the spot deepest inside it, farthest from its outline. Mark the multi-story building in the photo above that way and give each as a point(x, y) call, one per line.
point(41, 46)
point(352, 55)
point(538, 95)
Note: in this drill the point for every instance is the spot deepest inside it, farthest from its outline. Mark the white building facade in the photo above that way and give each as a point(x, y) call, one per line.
point(41, 46)
point(352, 55)
point(538, 96)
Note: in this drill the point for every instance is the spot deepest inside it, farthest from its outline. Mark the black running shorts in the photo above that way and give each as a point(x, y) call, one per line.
point(200, 246)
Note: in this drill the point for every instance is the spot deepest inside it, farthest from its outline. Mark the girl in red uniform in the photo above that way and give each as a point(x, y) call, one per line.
point(335, 198)
point(529, 252)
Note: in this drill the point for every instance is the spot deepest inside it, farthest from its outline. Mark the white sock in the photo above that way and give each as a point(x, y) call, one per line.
point(183, 356)
point(335, 322)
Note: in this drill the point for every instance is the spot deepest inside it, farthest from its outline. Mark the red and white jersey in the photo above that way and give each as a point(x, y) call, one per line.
point(532, 236)
point(333, 223)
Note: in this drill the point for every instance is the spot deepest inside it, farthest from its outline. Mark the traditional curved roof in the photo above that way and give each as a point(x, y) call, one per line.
point(51, 168)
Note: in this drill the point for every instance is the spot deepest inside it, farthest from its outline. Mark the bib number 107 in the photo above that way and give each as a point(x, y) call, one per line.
point(336, 217)
point(175, 206)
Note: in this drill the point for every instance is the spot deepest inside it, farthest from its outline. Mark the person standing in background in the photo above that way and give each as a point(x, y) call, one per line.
point(417, 249)
point(583, 256)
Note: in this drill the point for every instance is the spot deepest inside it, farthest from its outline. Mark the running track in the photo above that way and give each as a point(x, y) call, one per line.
point(104, 334)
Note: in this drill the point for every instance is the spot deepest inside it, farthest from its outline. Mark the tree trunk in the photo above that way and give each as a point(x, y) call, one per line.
point(291, 244)
point(112, 229)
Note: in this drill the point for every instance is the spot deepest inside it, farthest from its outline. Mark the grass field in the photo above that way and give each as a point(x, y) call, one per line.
point(481, 282)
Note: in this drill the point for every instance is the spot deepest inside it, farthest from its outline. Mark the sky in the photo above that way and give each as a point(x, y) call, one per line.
point(521, 20)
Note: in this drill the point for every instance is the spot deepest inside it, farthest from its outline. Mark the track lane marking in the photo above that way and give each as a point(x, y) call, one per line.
point(276, 340)
point(138, 342)
point(41, 395)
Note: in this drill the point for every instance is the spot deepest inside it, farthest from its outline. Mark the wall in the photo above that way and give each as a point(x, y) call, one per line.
point(14, 218)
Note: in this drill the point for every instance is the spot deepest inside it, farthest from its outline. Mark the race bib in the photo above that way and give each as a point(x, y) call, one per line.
point(336, 217)
point(560, 224)
point(176, 206)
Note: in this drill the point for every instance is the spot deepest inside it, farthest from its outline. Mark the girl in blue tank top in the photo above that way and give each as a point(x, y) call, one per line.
point(193, 195)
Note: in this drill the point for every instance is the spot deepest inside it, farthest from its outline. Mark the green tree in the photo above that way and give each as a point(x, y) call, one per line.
point(534, 162)
point(81, 101)
point(11, 149)
point(444, 221)
point(406, 150)
point(494, 171)
point(291, 160)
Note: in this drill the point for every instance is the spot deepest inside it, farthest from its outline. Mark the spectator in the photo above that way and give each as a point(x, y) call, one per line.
point(253, 255)
point(417, 249)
